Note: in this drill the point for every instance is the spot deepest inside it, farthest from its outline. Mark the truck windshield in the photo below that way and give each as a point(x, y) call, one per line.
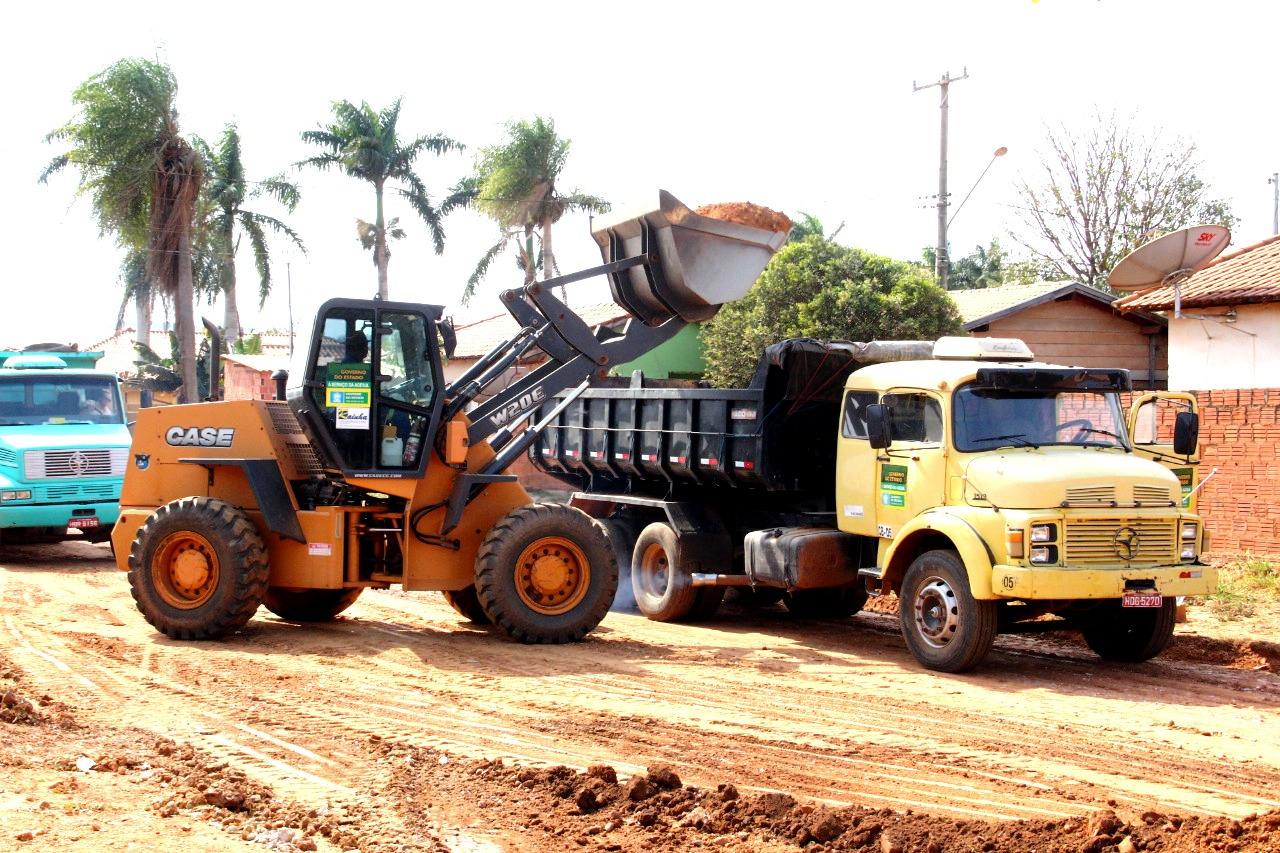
point(45, 399)
point(987, 418)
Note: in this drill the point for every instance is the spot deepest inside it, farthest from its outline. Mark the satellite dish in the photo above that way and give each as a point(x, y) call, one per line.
point(1169, 259)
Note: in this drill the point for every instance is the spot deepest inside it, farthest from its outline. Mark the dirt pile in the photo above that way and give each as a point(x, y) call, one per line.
point(746, 213)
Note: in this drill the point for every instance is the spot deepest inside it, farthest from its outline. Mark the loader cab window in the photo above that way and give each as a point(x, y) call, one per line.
point(374, 384)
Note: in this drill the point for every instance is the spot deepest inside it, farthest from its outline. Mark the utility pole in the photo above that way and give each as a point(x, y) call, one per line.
point(1274, 180)
point(942, 264)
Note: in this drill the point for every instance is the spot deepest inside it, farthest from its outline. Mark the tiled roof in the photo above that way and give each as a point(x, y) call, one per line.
point(1250, 275)
point(478, 338)
point(984, 305)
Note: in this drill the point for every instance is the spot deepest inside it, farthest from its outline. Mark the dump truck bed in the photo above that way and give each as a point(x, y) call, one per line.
point(777, 434)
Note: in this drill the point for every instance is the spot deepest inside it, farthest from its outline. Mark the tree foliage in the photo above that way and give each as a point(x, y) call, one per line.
point(1104, 190)
point(985, 267)
point(226, 217)
point(143, 177)
point(365, 144)
point(515, 185)
point(819, 289)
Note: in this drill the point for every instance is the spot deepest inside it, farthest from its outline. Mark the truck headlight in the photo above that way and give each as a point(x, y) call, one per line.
point(1044, 554)
point(15, 495)
point(1044, 533)
point(1190, 532)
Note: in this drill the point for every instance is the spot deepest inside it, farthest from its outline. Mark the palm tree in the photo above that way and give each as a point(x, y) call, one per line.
point(364, 144)
point(226, 190)
point(515, 185)
point(143, 177)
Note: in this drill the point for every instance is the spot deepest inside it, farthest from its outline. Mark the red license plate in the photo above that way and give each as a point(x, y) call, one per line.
point(1136, 599)
point(83, 522)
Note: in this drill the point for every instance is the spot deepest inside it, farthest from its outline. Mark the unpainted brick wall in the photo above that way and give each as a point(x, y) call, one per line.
point(1240, 436)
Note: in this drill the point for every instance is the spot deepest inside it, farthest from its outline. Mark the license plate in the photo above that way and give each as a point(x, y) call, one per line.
point(83, 522)
point(1135, 599)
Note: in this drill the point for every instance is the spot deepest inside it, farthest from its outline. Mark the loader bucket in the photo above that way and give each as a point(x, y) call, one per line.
point(696, 263)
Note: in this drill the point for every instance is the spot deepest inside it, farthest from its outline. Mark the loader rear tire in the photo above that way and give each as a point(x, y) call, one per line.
point(198, 569)
point(546, 574)
point(309, 605)
point(467, 603)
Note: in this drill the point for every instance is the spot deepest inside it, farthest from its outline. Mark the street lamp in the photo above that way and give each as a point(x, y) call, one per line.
point(1000, 152)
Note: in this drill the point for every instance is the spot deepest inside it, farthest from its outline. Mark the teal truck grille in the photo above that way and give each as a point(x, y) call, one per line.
point(86, 462)
point(1123, 541)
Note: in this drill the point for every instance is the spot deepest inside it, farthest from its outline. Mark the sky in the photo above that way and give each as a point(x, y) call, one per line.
point(806, 107)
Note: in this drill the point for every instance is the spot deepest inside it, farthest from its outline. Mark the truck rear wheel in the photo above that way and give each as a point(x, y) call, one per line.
point(546, 574)
point(309, 605)
point(467, 603)
point(838, 602)
point(198, 569)
point(945, 627)
point(663, 588)
point(1131, 634)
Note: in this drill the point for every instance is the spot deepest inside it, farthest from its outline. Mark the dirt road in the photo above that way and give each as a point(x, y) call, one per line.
point(380, 730)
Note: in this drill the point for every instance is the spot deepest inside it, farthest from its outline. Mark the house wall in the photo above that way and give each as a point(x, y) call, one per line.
point(1077, 331)
point(1217, 354)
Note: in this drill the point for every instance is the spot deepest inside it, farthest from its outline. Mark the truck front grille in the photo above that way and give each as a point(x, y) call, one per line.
point(77, 462)
point(1123, 541)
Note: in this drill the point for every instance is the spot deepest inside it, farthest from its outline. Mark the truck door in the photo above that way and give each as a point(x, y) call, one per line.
point(1151, 424)
point(880, 491)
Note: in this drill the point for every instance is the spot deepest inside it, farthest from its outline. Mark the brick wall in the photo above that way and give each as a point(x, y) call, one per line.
point(1240, 436)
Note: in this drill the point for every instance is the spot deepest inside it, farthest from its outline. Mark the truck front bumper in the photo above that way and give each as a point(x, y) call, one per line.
point(59, 515)
point(1055, 582)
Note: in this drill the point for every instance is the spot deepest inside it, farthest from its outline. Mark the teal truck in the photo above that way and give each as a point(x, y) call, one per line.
point(64, 444)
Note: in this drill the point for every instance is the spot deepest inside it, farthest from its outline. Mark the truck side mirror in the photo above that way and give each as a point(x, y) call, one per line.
point(878, 425)
point(1186, 433)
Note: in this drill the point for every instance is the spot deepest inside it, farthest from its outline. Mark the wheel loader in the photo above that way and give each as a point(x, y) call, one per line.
point(375, 472)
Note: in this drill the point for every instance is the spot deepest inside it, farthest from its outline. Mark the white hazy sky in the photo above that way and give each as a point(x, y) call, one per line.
point(801, 106)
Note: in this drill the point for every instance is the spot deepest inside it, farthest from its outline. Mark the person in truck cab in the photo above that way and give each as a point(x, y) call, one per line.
point(97, 402)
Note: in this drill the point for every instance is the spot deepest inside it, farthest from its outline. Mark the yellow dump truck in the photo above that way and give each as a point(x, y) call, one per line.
point(991, 492)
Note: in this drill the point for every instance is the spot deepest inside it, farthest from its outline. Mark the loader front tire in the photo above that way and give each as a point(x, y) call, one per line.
point(546, 574)
point(198, 569)
point(309, 605)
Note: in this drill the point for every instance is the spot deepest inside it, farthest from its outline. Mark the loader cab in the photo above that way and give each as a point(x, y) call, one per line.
point(371, 392)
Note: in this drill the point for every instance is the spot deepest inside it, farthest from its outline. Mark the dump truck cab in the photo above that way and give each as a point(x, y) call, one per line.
point(1025, 473)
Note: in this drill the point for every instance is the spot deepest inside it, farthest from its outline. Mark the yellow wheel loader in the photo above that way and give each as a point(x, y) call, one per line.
point(374, 471)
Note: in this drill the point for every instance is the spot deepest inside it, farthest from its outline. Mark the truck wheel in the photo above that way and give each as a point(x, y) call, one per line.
point(546, 574)
point(198, 569)
point(467, 603)
point(1131, 634)
point(945, 627)
point(838, 602)
point(663, 589)
point(309, 605)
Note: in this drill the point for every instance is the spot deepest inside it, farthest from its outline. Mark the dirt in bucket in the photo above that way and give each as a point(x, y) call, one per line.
point(746, 213)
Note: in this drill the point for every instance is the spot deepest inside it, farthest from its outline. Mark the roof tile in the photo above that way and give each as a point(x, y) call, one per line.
point(1250, 275)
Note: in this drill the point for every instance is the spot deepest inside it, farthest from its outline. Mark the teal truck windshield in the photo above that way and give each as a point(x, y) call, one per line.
point(64, 445)
point(987, 418)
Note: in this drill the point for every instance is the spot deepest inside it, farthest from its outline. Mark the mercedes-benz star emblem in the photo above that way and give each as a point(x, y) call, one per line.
point(78, 463)
point(1126, 543)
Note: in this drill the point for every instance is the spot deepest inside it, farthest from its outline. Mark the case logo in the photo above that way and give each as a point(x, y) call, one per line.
point(199, 436)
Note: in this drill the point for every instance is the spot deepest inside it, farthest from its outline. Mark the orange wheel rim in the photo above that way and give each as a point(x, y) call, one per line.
point(552, 576)
point(185, 570)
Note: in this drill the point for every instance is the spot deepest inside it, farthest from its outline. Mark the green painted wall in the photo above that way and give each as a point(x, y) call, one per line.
point(678, 358)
